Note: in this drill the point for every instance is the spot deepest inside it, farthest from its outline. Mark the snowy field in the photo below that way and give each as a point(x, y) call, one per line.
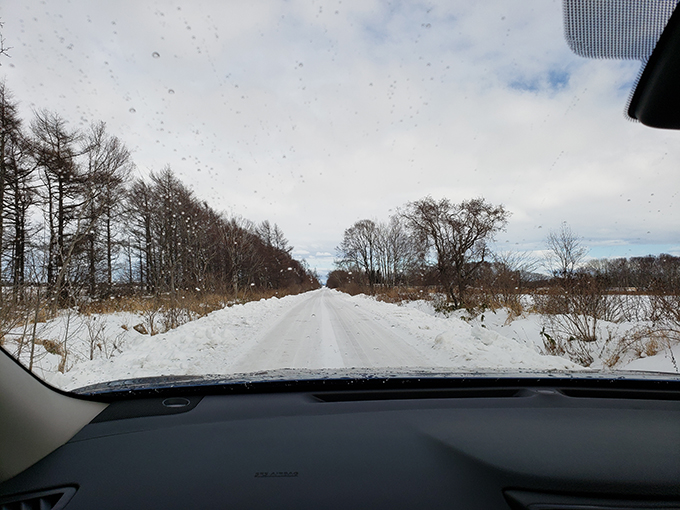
point(315, 330)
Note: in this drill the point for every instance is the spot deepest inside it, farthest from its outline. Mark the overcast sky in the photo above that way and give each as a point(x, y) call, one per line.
point(317, 114)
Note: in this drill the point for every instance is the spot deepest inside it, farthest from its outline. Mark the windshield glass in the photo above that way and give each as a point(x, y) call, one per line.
point(257, 188)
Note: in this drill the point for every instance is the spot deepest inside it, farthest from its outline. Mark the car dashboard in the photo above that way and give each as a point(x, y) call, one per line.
point(542, 444)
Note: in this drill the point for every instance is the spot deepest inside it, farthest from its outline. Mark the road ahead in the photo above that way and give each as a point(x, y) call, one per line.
point(328, 330)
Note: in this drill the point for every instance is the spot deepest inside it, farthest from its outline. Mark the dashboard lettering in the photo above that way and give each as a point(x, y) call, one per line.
point(276, 474)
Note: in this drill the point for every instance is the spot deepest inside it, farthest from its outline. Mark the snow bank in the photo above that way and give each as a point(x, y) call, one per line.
point(453, 342)
point(666, 361)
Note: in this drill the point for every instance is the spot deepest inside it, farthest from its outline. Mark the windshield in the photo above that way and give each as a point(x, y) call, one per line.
point(241, 189)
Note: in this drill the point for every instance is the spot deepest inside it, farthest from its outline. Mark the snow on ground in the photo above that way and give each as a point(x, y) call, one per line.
point(526, 330)
point(315, 330)
point(667, 361)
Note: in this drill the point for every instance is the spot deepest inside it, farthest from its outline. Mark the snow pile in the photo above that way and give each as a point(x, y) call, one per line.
point(667, 361)
point(487, 349)
point(456, 343)
point(527, 330)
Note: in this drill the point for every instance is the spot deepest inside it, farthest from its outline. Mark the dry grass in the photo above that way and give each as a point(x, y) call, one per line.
point(353, 288)
point(163, 312)
point(399, 294)
point(195, 303)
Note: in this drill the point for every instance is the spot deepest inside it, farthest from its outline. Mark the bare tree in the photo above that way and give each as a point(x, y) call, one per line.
point(398, 254)
point(139, 213)
point(182, 244)
point(20, 196)
point(565, 252)
point(573, 308)
point(4, 49)
point(458, 235)
point(272, 236)
point(108, 168)
point(510, 274)
point(15, 198)
point(359, 249)
point(56, 150)
point(665, 299)
point(242, 252)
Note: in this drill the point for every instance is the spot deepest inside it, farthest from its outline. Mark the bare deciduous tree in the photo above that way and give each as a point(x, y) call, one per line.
point(56, 150)
point(458, 235)
point(16, 191)
point(273, 236)
point(4, 49)
point(565, 252)
point(510, 271)
point(574, 307)
point(358, 249)
point(382, 253)
point(108, 169)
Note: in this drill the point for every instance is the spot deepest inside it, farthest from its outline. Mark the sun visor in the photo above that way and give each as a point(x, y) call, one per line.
point(615, 29)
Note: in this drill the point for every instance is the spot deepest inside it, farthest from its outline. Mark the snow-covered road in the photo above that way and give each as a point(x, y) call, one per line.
point(326, 329)
point(322, 329)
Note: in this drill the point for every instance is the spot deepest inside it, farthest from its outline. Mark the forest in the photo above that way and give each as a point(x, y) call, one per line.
point(78, 230)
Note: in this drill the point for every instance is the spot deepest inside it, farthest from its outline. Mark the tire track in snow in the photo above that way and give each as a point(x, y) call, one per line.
point(326, 330)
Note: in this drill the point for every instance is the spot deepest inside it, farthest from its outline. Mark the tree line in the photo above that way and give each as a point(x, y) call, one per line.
point(442, 244)
point(75, 223)
point(428, 242)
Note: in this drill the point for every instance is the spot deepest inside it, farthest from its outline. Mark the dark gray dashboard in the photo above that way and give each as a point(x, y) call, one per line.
point(491, 449)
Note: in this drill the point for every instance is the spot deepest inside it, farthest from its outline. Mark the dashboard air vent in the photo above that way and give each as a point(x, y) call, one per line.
point(55, 499)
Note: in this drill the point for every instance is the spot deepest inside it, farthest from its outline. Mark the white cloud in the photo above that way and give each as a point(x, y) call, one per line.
point(315, 119)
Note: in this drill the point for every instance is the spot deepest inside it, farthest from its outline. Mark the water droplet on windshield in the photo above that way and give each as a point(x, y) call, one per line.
point(155, 54)
point(132, 110)
point(170, 91)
